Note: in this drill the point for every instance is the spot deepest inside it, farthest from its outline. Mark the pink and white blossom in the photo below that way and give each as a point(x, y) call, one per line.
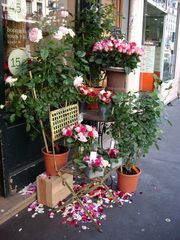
point(64, 13)
point(10, 80)
point(78, 81)
point(35, 35)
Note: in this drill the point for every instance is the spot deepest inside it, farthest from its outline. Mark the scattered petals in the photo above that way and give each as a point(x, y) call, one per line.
point(167, 220)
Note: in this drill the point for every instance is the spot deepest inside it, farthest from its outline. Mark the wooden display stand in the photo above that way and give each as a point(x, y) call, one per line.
point(51, 190)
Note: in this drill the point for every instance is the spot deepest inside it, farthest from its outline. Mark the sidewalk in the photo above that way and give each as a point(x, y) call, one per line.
point(154, 213)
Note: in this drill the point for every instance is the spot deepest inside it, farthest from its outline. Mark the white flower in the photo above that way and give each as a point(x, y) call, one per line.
point(78, 81)
point(63, 30)
point(24, 97)
point(102, 91)
point(64, 13)
point(71, 32)
point(89, 128)
point(105, 163)
point(2, 106)
point(11, 80)
point(58, 35)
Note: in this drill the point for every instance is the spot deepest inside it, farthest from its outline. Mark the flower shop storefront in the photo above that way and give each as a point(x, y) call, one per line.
point(20, 157)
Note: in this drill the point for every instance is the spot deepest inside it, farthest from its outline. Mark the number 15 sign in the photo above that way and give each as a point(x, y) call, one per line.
point(15, 59)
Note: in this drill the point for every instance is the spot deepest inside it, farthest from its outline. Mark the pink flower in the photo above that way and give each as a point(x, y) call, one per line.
point(113, 152)
point(95, 134)
point(77, 129)
point(35, 35)
point(82, 138)
point(78, 81)
point(88, 128)
point(97, 162)
point(10, 80)
point(83, 129)
point(90, 134)
point(63, 30)
point(64, 13)
point(67, 132)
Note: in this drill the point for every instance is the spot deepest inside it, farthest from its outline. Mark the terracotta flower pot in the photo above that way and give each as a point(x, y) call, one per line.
point(60, 158)
point(116, 79)
point(128, 183)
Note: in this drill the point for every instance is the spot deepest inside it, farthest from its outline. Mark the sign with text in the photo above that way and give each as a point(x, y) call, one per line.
point(15, 59)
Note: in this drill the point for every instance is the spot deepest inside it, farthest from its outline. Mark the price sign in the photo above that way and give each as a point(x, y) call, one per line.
point(16, 10)
point(15, 59)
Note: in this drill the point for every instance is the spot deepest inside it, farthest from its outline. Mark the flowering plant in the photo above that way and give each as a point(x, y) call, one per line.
point(112, 155)
point(80, 135)
point(48, 77)
point(96, 164)
point(105, 97)
point(116, 53)
point(87, 94)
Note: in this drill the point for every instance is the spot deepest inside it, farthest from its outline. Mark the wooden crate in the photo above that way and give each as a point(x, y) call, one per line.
point(51, 190)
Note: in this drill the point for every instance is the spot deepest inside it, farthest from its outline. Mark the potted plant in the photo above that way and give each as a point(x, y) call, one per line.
point(118, 57)
point(104, 100)
point(135, 129)
point(112, 156)
point(45, 81)
point(93, 22)
point(93, 167)
point(81, 136)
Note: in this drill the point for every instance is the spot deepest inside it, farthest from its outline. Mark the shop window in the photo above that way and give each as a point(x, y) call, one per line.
point(28, 7)
point(39, 8)
point(159, 37)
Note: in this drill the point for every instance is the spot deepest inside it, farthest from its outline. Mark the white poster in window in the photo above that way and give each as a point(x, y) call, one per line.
point(147, 60)
point(16, 10)
point(15, 59)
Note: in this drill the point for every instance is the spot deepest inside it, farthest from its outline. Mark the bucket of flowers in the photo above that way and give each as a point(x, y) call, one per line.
point(104, 100)
point(94, 166)
point(118, 57)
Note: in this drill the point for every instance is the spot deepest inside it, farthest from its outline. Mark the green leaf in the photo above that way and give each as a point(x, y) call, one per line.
point(12, 117)
point(44, 54)
point(80, 54)
point(28, 127)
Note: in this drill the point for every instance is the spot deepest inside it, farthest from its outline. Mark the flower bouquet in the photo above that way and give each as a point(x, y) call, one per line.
point(104, 100)
point(81, 136)
point(116, 53)
point(94, 167)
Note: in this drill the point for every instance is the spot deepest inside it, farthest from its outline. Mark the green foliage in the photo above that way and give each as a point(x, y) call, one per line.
point(136, 124)
point(53, 71)
point(92, 23)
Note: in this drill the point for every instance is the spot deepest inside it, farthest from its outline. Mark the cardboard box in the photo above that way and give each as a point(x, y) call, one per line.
point(51, 190)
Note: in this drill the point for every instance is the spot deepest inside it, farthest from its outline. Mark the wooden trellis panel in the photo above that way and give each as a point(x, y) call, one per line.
point(61, 118)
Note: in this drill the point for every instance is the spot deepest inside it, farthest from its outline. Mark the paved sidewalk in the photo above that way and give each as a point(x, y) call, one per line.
point(154, 213)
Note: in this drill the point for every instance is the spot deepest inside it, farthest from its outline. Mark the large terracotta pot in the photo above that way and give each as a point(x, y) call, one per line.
point(60, 158)
point(128, 183)
point(116, 79)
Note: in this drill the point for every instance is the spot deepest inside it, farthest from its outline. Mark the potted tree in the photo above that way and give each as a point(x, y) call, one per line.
point(135, 129)
point(45, 81)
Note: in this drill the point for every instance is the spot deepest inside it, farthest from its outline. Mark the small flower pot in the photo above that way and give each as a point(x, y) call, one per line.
point(128, 183)
point(93, 174)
